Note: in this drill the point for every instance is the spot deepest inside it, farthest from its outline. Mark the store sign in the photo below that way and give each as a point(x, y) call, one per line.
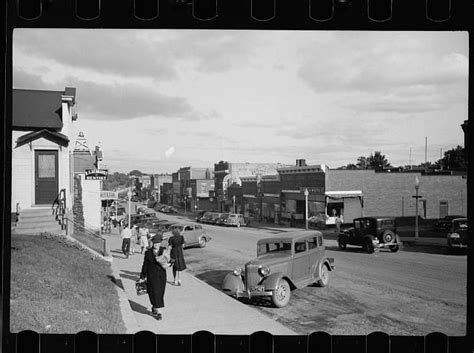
point(96, 174)
point(313, 190)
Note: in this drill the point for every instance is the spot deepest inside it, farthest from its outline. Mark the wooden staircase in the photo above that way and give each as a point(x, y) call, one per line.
point(36, 221)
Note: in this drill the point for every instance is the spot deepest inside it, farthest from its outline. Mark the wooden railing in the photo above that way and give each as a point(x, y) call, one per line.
point(59, 208)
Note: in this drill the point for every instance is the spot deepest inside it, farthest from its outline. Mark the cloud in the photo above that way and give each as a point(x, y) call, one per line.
point(169, 152)
point(152, 54)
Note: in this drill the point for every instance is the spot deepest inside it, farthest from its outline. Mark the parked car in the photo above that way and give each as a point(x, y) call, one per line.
point(214, 217)
point(283, 263)
point(205, 217)
point(193, 234)
point(237, 220)
point(151, 203)
point(445, 223)
point(372, 233)
point(169, 209)
point(457, 234)
point(222, 220)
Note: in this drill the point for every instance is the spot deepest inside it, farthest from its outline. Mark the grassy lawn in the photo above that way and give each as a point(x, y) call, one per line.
point(58, 288)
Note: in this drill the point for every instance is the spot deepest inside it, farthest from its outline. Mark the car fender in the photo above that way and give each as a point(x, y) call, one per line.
point(232, 283)
point(325, 261)
point(270, 282)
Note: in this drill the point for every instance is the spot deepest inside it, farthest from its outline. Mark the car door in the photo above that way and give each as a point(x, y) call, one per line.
point(315, 253)
point(300, 268)
point(189, 235)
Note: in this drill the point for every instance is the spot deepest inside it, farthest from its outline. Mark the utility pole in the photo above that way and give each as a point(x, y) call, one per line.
point(426, 152)
point(129, 194)
point(306, 193)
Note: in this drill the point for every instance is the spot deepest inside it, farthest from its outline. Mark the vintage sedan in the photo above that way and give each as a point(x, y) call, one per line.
point(283, 263)
point(458, 233)
point(372, 233)
point(193, 234)
point(237, 220)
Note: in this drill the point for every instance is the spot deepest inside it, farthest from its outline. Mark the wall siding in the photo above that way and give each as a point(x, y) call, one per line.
point(385, 193)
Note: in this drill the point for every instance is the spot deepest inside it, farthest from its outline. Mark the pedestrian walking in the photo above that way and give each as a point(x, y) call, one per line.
point(143, 233)
point(155, 276)
point(133, 239)
point(126, 234)
point(176, 241)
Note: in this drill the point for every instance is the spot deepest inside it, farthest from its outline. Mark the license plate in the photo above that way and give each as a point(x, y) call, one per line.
point(258, 289)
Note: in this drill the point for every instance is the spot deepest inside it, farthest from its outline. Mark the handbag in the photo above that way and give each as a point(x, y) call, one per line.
point(140, 286)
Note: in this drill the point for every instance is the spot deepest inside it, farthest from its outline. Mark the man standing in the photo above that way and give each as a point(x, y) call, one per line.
point(126, 234)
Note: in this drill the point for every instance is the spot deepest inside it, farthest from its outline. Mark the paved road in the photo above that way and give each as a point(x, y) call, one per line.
point(397, 293)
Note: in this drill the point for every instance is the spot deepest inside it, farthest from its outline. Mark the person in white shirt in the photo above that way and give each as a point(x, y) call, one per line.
point(126, 234)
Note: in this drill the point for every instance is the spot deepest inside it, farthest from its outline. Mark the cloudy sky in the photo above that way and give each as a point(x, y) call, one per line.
point(158, 100)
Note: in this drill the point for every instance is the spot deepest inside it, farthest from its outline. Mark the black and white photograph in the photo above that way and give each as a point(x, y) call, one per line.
point(235, 181)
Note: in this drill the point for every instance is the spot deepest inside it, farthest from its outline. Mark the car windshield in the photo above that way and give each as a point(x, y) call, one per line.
point(273, 247)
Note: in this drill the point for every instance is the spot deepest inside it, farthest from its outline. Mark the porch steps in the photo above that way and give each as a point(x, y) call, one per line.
point(35, 221)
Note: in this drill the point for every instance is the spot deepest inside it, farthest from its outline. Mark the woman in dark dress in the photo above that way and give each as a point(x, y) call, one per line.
point(176, 242)
point(155, 275)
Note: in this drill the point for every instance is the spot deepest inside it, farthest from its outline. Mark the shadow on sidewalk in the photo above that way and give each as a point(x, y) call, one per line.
point(140, 308)
point(213, 278)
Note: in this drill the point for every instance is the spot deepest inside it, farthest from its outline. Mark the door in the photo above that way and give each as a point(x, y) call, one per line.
point(300, 261)
point(189, 235)
point(46, 177)
point(443, 209)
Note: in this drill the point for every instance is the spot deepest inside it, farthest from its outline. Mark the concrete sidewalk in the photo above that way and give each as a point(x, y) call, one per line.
point(192, 307)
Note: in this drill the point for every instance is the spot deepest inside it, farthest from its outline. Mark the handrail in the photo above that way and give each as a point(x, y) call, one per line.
point(59, 208)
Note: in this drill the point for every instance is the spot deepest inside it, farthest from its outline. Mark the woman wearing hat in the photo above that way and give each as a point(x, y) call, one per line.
point(155, 275)
point(176, 241)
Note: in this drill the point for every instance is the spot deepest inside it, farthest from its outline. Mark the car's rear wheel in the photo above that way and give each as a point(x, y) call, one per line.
point(394, 248)
point(342, 244)
point(368, 246)
point(323, 276)
point(202, 242)
point(282, 293)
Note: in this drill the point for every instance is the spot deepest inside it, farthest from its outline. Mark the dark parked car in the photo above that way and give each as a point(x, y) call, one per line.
point(168, 209)
point(283, 263)
point(151, 204)
point(445, 223)
point(372, 233)
point(213, 218)
point(206, 217)
point(457, 234)
point(222, 220)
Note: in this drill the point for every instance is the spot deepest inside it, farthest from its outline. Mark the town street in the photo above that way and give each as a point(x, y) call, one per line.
point(403, 293)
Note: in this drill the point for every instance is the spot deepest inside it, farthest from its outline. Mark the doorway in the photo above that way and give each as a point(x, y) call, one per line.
point(46, 176)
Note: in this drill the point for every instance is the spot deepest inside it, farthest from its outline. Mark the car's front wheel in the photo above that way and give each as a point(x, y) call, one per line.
point(281, 295)
point(202, 242)
point(368, 246)
point(323, 276)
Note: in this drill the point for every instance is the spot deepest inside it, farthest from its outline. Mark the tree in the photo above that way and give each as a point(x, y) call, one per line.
point(135, 172)
point(454, 158)
point(377, 160)
point(362, 162)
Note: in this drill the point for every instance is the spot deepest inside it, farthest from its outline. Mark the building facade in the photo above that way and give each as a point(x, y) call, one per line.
point(42, 126)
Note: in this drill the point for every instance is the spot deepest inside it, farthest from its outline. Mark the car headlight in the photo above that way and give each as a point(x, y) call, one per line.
point(454, 235)
point(237, 271)
point(264, 270)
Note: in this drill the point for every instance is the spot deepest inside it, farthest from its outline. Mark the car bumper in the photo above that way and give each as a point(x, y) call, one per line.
point(460, 246)
point(251, 294)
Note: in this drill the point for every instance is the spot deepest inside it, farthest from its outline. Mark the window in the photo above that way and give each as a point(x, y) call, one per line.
point(357, 224)
point(300, 246)
point(273, 247)
point(320, 241)
point(312, 243)
point(187, 228)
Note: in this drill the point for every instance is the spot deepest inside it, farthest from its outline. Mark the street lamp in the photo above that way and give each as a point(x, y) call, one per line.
point(417, 186)
point(306, 193)
point(129, 194)
point(233, 203)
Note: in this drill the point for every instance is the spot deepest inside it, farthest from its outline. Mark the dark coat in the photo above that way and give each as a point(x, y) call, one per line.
point(176, 242)
point(155, 277)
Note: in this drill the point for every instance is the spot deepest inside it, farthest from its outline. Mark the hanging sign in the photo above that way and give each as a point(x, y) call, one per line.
point(96, 174)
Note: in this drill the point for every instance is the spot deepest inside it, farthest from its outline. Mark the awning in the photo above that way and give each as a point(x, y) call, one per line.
point(343, 194)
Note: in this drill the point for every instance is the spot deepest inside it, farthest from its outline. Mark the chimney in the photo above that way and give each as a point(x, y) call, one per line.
point(301, 162)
